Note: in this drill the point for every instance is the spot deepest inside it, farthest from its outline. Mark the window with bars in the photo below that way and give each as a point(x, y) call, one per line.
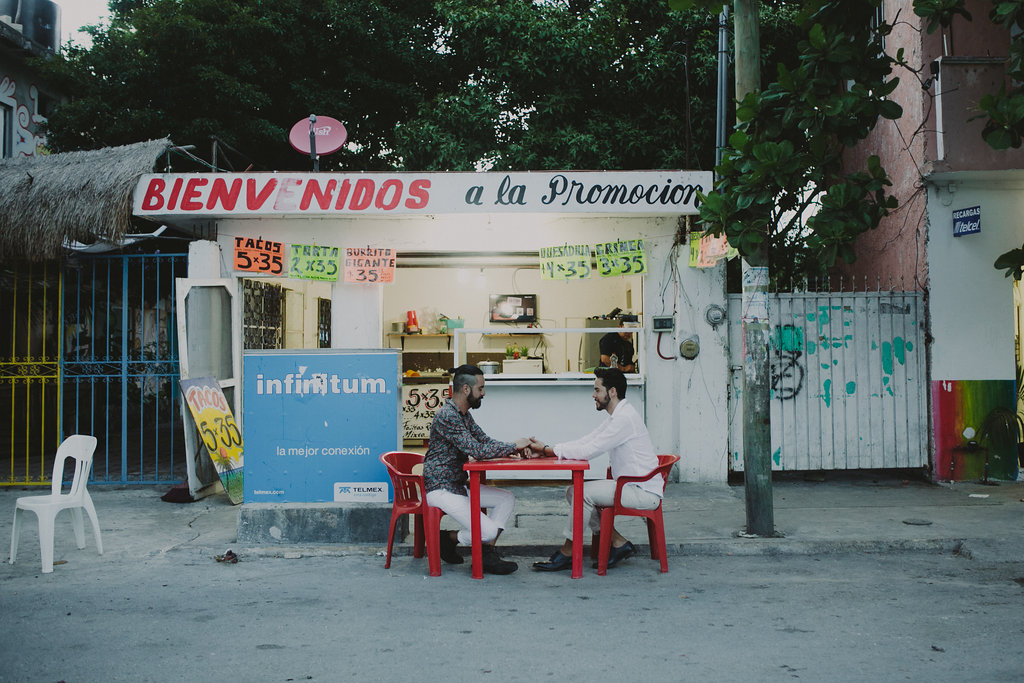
point(263, 315)
point(323, 323)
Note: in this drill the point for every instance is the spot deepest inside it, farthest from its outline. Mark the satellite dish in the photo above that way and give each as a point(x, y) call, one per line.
point(330, 135)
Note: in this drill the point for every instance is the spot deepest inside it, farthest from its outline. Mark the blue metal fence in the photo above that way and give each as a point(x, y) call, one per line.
point(119, 366)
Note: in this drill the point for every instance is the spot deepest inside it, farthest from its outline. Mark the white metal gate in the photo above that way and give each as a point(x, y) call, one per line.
point(849, 385)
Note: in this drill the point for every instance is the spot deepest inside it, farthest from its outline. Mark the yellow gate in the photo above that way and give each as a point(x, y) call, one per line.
point(30, 386)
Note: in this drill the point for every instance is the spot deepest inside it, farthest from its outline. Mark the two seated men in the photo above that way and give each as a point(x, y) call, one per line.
point(455, 438)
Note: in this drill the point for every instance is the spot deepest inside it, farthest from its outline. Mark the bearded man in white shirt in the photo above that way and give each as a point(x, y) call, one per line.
point(624, 436)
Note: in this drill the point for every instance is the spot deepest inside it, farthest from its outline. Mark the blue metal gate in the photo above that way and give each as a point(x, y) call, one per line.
point(119, 366)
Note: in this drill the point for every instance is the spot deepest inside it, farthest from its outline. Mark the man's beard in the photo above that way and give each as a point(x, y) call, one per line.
point(601, 405)
point(475, 402)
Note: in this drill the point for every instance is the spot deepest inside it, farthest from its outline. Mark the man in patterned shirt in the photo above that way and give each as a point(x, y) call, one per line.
point(454, 439)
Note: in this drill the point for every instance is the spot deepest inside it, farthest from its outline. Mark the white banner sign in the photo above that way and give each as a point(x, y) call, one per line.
point(220, 195)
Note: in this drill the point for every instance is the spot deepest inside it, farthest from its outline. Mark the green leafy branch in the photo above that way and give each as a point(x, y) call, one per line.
point(785, 195)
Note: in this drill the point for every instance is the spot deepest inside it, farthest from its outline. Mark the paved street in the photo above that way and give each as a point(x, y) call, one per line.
point(180, 615)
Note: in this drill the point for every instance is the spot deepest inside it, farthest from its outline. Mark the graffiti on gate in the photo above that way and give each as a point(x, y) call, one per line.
point(847, 381)
point(787, 343)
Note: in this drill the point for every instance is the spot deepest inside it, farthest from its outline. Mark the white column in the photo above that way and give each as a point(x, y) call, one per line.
point(686, 402)
point(204, 260)
point(357, 316)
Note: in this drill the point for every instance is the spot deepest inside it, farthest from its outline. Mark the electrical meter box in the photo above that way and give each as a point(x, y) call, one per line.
point(663, 323)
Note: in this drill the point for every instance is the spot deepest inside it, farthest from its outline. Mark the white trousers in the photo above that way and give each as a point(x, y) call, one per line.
point(499, 501)
point(601, 493)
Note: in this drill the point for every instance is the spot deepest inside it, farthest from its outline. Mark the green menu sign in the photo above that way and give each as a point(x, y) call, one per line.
point(624, 257)
point(310, 262)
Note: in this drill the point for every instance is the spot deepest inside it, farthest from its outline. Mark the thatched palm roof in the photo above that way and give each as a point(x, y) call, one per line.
point(81, 196)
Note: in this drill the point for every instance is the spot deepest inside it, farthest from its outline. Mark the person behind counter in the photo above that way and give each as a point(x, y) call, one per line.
point(455, 437)
point(618, 345)
point(624, 436)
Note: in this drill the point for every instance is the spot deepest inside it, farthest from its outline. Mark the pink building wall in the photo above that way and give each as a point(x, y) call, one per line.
point(967, 57)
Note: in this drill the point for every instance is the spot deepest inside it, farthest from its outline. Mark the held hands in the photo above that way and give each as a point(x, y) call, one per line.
point(530, 448)
point(540, 449)
point(522, 448)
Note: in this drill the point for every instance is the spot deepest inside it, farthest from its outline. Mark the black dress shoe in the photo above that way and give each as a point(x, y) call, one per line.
point(494, 564)
point(557, 563)
point(627, 549)
point(448, 549)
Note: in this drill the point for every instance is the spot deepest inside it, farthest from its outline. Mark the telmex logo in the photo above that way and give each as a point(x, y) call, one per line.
point(371, 491)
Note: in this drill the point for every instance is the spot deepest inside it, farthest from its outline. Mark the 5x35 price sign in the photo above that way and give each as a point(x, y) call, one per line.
point(259, 255)
point(218, 430)
point(419, 404)
point(310, 262)
point(369, 265)
point(625, 257)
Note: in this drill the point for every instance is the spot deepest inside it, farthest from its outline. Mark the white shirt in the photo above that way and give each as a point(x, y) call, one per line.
point(624, 436)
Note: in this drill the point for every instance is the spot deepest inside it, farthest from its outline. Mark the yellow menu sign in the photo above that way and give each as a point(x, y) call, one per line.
point(566, 262)
point(217, 427)
point(623, 257)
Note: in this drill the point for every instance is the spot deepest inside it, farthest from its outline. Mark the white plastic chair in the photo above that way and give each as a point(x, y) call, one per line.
point(46, 507)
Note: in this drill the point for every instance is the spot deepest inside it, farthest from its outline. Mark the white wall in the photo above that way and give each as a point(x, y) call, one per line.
point(971, 303)
point(686, 408)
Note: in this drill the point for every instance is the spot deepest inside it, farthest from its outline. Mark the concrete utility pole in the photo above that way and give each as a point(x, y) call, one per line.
point(757, 441)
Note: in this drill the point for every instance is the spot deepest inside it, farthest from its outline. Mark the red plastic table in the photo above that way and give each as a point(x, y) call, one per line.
point(477, 467)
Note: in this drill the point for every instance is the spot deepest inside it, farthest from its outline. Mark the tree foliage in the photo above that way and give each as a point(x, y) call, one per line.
point(597, 85)
point(785, 195)
point(247, 70)
point(443, 85)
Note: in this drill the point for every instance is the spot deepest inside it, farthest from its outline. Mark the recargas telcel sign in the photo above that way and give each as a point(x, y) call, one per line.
point(967, 221)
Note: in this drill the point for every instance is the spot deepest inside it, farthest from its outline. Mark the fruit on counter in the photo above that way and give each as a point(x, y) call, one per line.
point(412, 373)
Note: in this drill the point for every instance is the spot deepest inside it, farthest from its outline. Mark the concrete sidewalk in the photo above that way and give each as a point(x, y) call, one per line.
point(847, 512)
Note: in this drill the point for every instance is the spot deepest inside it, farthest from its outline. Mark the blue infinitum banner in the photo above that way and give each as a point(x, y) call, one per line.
point(316, 422)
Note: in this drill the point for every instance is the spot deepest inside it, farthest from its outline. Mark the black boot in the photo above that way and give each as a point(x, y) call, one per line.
point(448, 549)
point(493, 564)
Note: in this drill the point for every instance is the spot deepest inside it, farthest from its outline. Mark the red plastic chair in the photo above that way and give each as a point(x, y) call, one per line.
point(655, 521)
point(411, 499)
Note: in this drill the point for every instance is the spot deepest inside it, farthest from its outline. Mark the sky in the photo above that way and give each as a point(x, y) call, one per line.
point(76, 13)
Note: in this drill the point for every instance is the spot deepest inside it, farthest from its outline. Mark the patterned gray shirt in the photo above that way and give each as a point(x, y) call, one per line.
point(454, 439)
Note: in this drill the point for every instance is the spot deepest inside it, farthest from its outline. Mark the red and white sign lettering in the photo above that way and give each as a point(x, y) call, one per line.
point(215, 195)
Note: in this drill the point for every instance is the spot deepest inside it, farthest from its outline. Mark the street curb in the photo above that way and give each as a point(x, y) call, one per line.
point(765, 547)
